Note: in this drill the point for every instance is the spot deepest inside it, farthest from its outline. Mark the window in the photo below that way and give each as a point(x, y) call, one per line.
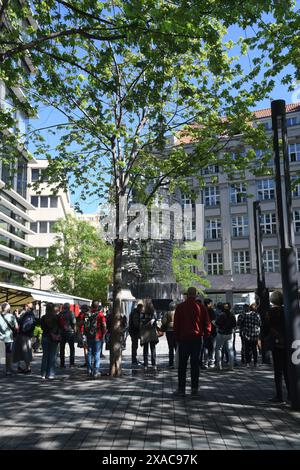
point(213, 229)
point(241, 262)
point(34, 226)
point(211, 196)
point(271, 261)
point(35, 201)
point(53, 201)
point(210, 169)
point(296, 215)
point(51, 227)
point(186, 201)
point(267, 125)
point(214, 263)
point(238, 193)
point(296, 187)
point(41, 252)
point(43, 227)
point(190, 230)
point(35, 173)
point(292, 121)
point(44, 201)
point(265, 189)
point(268, 223)
point(239, 226)
point(298, 258)
point(294, 152)
point(22, 177)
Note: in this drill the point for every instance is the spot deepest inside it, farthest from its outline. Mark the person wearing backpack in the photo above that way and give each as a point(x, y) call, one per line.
point(94, 330)
point(134, 330)
point(67, 325)
point(50, 340)
point(23, 346)
point(225, 324)
point(8, 329)
point(275, 332)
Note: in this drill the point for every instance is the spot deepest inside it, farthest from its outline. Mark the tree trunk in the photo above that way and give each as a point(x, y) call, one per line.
point(115, 348)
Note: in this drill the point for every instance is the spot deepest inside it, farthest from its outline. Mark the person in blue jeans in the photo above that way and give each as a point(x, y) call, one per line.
point(50, 340)
point(94, 329)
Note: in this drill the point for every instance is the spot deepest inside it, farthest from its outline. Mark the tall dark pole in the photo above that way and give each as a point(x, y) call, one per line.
point(287, 252)
point(262, 292)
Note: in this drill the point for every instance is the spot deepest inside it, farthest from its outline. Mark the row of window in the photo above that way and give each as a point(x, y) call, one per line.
point(43, 226)
point(240, 225)
point(238, 193)
point(241, 262)
point(44, 201)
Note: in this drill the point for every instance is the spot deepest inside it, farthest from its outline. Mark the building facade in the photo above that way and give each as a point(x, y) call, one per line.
point(14, 204)
point(48, 209)
point(228, 223)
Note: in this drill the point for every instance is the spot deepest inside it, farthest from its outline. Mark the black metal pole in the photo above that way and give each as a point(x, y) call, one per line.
point(287, 252)
point(262, 292)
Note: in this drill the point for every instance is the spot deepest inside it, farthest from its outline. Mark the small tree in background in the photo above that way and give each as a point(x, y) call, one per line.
point(79, 261)
point(187, 266)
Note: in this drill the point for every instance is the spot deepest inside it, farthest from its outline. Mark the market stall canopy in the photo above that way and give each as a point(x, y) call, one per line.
point(17, 296)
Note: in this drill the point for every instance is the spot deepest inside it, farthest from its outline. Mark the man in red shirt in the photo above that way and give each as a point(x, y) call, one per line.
point(191, 322)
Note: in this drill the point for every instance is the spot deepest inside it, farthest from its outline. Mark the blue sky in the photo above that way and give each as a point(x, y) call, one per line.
point(49, 116)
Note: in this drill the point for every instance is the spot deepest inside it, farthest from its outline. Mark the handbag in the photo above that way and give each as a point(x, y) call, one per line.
point(159, 332)
point(55, 337)
point(14, 330)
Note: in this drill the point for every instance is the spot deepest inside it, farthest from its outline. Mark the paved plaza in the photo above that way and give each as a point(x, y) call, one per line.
point(138, 410)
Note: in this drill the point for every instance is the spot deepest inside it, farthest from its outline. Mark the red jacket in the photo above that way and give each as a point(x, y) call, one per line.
point(101, 324)
point(191, 320)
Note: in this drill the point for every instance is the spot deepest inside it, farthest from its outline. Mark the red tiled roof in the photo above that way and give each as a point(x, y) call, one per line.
point(264, 113)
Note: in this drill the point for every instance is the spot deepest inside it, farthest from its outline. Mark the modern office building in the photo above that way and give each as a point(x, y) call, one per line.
point(229, 238)
point(48, 209)
point(14, 205)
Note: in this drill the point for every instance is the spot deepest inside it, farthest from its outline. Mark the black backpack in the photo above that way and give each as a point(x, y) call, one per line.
point(91, 325)
point(27, 324)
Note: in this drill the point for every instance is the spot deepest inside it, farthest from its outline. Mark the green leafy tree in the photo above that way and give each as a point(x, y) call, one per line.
point(186, 266)
point(79, 261)
point(170, 70)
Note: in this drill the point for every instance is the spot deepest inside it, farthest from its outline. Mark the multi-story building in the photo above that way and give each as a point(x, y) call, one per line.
point(229, 238)
point(14, 204)
point(92, 219)
point(48, 209)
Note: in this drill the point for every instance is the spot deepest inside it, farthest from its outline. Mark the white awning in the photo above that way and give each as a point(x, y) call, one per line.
point(19, 295)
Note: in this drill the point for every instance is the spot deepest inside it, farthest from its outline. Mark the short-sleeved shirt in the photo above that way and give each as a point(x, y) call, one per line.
point(6, 333)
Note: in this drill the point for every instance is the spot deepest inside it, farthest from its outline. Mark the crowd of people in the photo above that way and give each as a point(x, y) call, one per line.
point(204, 333)
point(195, 329)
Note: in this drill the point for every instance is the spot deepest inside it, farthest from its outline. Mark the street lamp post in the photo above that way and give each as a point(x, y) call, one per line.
point(287, 252)
point(261, 292)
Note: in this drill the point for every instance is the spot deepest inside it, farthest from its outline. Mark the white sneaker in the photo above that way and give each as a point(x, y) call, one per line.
point(43, 377)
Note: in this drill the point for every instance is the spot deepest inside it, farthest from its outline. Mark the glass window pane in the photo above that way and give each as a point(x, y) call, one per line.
point(43, 227)
point(35, 174)
point(35, 201)
point(44, 201)
point(53, 201)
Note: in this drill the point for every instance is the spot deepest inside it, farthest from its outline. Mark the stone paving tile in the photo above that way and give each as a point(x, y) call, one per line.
point(139, 412)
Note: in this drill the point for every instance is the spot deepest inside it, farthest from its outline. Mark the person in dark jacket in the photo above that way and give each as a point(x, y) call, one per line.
point(210, 340)
point(50, 340)
point(191, 322)
point(134, 330)
point(225, 324)
point(275, 326)
point(67, 324)
point(148, 332)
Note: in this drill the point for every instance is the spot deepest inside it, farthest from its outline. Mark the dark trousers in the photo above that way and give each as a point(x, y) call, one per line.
point(172, 346)
point(250, 350)
point(70, 339)
point(153, 353)
point(134, 348)
point(280, 364)
point(189, 348)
